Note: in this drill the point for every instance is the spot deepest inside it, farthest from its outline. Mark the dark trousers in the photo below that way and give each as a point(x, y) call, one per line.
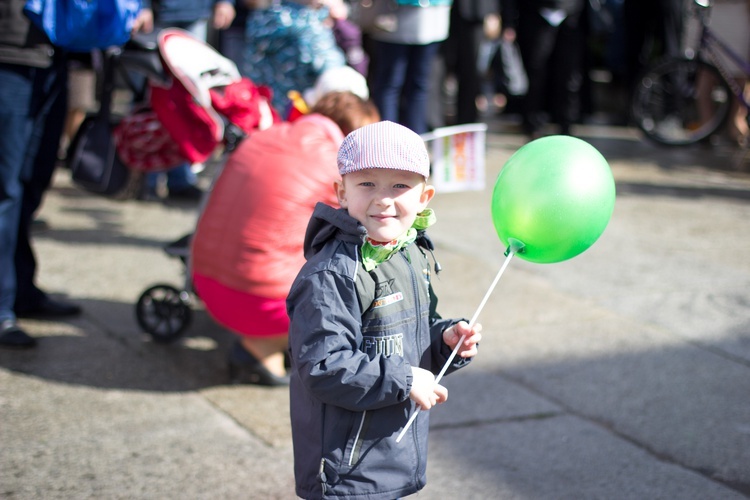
point(402, 73)
point(33, 103)
point(653, 29)
point(553, 58)
point(461, 56)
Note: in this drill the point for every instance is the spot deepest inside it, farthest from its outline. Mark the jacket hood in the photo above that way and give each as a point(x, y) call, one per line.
point(329, 223)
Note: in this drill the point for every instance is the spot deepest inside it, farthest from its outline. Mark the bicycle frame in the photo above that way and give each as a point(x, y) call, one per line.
point(712, 45)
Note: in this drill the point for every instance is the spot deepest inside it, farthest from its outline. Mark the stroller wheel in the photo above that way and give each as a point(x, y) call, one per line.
point(163, 312)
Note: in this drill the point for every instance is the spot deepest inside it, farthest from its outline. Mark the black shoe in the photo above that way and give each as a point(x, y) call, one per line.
point(48, 308)
point(244, 368)
point(13, 337)
point(190, 193)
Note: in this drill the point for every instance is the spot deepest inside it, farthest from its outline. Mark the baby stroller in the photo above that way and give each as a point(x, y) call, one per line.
point(204, 106)
point(195, 103)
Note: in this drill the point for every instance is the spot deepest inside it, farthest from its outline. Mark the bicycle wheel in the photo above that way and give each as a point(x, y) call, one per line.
point(680, 102)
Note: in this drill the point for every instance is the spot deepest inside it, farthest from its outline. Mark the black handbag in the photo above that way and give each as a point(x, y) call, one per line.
point(92, 155)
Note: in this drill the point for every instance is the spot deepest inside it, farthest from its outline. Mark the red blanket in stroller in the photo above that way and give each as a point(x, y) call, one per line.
point(203, 94)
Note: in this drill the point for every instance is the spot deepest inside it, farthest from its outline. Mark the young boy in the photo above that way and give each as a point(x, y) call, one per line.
point(365, 339)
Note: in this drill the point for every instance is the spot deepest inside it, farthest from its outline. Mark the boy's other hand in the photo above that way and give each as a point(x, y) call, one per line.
point(468, 348)
point(424, 391)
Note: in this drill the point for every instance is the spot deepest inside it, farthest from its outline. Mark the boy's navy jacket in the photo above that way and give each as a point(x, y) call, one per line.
point(351, 364)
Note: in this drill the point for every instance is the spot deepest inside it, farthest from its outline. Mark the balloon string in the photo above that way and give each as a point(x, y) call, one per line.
point(463, 337)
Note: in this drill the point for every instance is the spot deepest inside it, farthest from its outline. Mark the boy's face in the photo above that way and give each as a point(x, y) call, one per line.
point(386, 201)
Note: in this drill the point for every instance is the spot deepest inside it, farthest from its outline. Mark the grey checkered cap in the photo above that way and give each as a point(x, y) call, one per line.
point(383, 145)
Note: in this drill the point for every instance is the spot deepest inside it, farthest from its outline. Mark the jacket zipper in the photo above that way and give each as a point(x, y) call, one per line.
point(415, 287)
point(322, 475)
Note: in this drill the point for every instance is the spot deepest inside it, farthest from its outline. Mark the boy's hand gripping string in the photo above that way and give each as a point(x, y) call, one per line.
point(509, 253)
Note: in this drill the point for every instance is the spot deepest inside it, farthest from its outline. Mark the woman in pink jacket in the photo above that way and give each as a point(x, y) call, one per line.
point(247, 248)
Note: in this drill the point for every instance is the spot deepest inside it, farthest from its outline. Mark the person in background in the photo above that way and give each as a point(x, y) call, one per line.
point(232, 39)
point(247, 247)
point(33, 104)
point(551, 37)
point(192, 16)
point(731, 20)
point(348, 35)
point(653, 30)
point(288, 47)
point(404, 50)
point(81, 97)
point(341, 79)
point(468, 24)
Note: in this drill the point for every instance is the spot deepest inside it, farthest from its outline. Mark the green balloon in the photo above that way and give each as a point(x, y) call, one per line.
point(553, 199)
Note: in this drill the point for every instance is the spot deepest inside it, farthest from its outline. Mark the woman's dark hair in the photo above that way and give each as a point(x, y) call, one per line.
point(347, 110)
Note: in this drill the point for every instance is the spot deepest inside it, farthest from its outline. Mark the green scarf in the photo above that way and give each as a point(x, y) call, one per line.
point(375, 252)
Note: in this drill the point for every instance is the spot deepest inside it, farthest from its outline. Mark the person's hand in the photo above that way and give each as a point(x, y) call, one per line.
point(337, 9)
point(144, 22)
point(424, 391)
point(491, 26)
point(468, 348)
point(223, 15)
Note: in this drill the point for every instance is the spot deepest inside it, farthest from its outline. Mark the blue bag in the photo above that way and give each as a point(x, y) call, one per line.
point(84, 25)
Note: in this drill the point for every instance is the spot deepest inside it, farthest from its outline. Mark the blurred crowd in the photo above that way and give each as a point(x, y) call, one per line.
point(424, 64)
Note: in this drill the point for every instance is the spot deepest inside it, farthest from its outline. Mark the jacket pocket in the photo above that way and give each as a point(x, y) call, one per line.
point(357, 439)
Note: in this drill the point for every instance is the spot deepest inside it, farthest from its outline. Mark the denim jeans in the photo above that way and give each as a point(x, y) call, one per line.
point(178, 178)
point(33, 104)
point(233, 44)
point(401, 82)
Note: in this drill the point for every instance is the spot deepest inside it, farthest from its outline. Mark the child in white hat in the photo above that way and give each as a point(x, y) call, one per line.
point(365, 339)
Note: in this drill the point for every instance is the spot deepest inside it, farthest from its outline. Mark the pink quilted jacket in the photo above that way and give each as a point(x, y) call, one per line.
point(250, 234)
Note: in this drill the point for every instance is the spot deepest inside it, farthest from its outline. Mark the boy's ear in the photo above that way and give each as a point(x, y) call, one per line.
point(427, 193)
point(338, 187)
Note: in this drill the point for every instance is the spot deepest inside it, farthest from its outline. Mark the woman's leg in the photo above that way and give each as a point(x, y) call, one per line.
point(269, 351)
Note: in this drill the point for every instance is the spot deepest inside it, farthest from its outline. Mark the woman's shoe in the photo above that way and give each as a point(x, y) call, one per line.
point(244, 368)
